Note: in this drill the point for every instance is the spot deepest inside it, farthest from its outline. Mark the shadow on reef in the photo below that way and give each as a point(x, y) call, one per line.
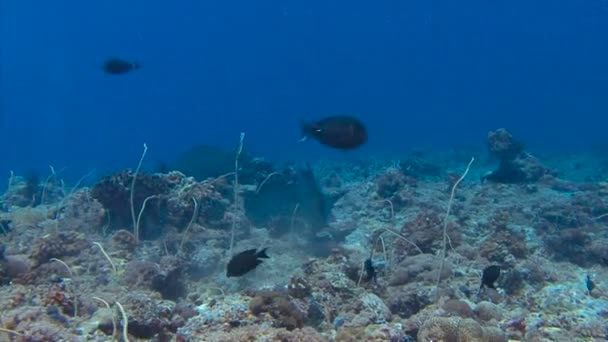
point(281, 197)
point(288, 197)
point(207, 161)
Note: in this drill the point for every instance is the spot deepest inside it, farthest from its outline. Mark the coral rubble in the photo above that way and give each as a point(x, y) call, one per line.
point(73, 267)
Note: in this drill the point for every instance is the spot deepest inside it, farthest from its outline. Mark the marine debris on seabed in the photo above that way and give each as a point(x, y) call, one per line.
point(355, 250)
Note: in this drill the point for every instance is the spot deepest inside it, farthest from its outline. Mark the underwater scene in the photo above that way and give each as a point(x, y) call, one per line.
point(313, 171)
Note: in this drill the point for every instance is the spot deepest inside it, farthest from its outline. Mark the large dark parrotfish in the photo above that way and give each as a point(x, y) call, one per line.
point(340, 131)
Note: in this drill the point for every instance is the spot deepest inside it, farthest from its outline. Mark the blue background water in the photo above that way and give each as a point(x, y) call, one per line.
point(419, 73)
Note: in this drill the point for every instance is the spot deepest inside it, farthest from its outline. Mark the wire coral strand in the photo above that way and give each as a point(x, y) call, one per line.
point(445, 225)
point(236, 191)
point(125, 322)
point(133, 217)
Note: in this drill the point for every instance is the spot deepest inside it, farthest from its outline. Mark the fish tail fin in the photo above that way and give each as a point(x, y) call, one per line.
point(307, 130)
point(262, 253)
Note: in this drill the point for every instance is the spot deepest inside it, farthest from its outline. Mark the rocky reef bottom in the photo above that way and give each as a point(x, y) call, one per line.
point(76, 265)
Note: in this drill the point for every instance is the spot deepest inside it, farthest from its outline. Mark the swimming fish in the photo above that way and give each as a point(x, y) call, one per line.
point(489, 276)
point(117, 66)
point(589, 284)
point(370, 270)
point(245, 262)
point(340, 131)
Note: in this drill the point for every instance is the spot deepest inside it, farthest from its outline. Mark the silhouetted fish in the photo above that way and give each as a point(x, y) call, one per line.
point(370, 270)
point(589, 284)
point(489, 276)
point(117, 66)
point(245, 262)
point(340, 131)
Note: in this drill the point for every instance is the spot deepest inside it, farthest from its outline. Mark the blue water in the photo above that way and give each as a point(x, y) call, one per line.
point(419, 73)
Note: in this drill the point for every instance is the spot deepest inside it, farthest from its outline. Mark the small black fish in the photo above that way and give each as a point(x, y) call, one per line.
point(489, 276)
point(370, 270)
point(245, 262)
point(589, 284)
point(117, 66)
point(340, 131)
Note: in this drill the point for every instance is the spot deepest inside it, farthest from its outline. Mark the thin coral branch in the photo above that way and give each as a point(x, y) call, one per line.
point(135, 223)
point(445, 225)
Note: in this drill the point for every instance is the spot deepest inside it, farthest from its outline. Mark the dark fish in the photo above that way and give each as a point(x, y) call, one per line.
point(370, 270)
point(340, 131)
point(245, 262)
point(589, 284)
point(117, 66)
point(489, 276)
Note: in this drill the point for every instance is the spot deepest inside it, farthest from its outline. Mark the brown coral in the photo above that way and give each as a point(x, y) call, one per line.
point(58, 245)
point(425, 231)
point(456, 329)
point(114, 193)
point(502, 243)
point(285, 313)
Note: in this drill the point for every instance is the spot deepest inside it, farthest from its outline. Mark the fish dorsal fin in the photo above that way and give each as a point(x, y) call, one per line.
point(262, 253)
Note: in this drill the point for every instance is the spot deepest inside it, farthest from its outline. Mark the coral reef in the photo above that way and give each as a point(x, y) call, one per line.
point(516, 165)
point(114, 192)
point(353, 252)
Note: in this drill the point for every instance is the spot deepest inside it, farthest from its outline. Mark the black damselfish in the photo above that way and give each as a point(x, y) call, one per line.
point(370, 270)
point(489, 276)
point(245, 261)
point(117, 66)
point(340, 131)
